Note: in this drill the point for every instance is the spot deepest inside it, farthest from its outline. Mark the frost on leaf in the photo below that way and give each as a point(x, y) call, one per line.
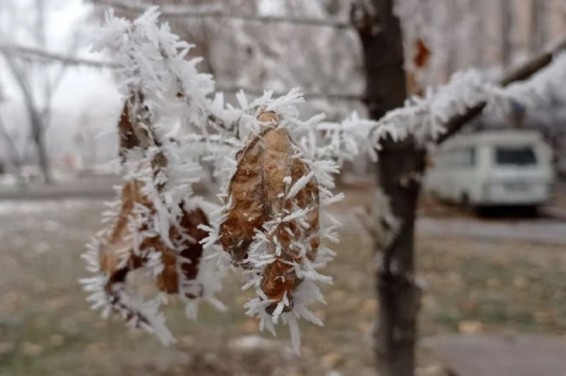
point(271, 224)
point(174, 266)
point(267, 171)
point(119, 255)
point(128, 139)
point(155, 232)
point(276, 171)
point(266, 168)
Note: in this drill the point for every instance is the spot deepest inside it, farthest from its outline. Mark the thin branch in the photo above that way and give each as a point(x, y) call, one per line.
point(194, 12)
point(520, 73)
point(50, 57)
point(31, 53)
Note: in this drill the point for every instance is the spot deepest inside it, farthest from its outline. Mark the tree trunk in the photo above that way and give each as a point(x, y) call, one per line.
point(400, 169)
point(42, 157)
point(400, 165)
point(396, 334)
point(37, 134)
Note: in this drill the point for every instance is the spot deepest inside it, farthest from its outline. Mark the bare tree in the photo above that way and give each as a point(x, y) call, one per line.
point(396, 331)
point(36, 83)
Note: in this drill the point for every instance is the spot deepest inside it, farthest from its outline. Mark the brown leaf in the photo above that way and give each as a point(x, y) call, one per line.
point(119, 245)
point(128, 138)
point(134, 127)
point(258, 193)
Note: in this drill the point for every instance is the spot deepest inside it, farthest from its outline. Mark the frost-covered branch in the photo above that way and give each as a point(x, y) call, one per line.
point(159, 226)
point(549, 59)
point(276, 172)
point(154, 227)
point(442, 112)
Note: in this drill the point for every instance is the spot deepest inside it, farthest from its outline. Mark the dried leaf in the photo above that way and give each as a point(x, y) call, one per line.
point(267, 168)
point(119, 245)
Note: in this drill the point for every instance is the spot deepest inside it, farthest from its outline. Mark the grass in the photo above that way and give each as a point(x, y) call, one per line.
point(47, 328)
point(503, 287)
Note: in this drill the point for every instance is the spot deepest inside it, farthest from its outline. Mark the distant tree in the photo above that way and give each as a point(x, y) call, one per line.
point(27, 23)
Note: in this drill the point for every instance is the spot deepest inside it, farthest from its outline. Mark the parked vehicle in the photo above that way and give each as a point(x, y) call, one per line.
point(493, 168)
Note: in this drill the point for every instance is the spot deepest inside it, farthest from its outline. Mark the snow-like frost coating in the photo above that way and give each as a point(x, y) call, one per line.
point(188, 124)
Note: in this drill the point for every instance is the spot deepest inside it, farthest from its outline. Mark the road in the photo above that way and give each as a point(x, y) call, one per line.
point(534, 231)
point(549, 229)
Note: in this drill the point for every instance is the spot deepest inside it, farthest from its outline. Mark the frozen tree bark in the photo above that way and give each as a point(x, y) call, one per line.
point(401, 165)
point(395, 333)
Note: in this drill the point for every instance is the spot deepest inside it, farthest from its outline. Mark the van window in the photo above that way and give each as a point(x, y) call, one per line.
point(515, 156)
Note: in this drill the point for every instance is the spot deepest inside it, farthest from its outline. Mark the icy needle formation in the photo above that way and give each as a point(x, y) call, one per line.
point(154, 227)
point(276, 172)
point(276, 179)
point(271, 224)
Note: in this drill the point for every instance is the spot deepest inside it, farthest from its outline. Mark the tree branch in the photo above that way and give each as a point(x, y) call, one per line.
point(31, 53)
point(50, 57)
point(520, 73)
point(211, 13)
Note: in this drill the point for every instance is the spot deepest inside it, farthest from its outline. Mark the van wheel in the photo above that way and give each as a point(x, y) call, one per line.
point(531, 211)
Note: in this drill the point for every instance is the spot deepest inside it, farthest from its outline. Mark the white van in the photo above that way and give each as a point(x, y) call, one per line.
point(492, 168)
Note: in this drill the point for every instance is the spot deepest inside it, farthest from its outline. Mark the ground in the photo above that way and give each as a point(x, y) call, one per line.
point(473, 284)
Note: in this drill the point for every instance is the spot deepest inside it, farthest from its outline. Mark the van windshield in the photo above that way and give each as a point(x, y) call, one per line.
point(515, 156)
